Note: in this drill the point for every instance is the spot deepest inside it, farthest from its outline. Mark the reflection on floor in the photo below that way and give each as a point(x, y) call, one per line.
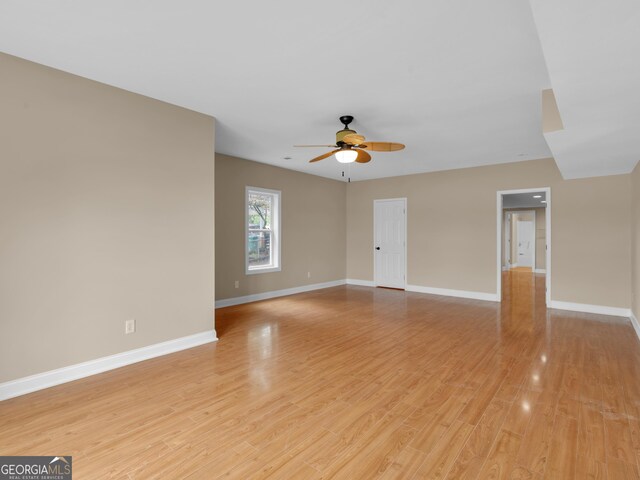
point(355, 382)
point(522, 299)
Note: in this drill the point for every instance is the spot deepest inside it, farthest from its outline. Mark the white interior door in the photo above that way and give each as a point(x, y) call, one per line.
point(526, 243)
point(389, 224)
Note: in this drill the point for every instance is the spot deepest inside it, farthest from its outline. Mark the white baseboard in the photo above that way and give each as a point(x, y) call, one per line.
point(535, 270)
point(22, 386)
point(361, 283)
point(635, 324)
point(491, 297)
point(586, 308)
point(228, 302)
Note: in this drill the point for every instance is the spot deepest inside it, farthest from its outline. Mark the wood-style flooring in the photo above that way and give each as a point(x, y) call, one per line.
point(359, 383)
point(521, 269)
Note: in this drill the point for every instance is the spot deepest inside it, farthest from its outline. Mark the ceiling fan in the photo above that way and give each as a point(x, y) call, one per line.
point(351, 147)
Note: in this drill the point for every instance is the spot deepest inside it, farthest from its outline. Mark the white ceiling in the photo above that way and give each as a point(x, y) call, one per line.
point(459, 82)
point(592, 51)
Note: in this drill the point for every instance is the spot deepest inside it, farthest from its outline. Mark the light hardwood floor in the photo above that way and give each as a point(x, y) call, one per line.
point(359, 383)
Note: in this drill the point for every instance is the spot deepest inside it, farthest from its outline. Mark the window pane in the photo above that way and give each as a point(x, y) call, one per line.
point(263, 230)
point(259, 249)
point(260, 210)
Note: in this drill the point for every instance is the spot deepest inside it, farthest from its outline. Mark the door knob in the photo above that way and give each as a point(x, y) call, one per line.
point(377, 248)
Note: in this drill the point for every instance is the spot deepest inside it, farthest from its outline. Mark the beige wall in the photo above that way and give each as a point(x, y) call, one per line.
point(452, 229)
point(635, 225)
point(106, 214)
point(313, 227)
point(551, 120)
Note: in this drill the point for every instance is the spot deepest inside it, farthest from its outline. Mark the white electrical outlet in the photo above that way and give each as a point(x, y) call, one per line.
point(130, 326)
point(308, 274)
point(237, 283)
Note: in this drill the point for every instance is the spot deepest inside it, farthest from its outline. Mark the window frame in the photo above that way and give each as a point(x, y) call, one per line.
point(276, 229)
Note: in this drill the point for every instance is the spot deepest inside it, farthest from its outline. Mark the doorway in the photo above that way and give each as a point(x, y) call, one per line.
point(389, 242)
point(520, 242)
point(524, 235)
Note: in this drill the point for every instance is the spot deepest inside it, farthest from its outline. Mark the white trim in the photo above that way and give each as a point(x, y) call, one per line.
point(547, 231)
point(499, 211)
point(539, 270)
point(404, 200)
point(258, 270)
point(490, 297)
point(276, 231)
point(635, 324)
point(362, 283)
point(22, 386)
point(499, 244)
point(228, 302)
point(586, 308)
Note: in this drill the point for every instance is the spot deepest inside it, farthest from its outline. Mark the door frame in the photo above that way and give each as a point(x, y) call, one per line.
point(499, 216)
point(533, 268)
point(375, 273)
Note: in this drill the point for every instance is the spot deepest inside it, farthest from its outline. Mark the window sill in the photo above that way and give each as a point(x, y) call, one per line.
point(255, 271)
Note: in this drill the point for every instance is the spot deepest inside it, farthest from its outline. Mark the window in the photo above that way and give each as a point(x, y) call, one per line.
point(263, 230)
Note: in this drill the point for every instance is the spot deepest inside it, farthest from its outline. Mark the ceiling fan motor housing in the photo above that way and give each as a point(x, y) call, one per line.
point(340, 134)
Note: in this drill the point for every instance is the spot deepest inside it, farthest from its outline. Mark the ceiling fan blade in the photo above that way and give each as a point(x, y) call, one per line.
point(353, 139)
point(325, 146)
point(383, 146)
point(322, 157)
point(363, 157)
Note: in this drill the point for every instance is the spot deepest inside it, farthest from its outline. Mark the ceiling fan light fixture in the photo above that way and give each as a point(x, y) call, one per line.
point(347, 140)
point(346, 156)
